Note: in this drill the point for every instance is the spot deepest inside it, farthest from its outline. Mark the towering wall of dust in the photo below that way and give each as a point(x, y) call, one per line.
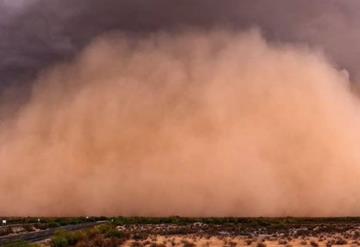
point(195, 124)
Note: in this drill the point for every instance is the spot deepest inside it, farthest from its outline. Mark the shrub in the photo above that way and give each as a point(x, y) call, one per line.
point(29, 228)
point(6, 231)
point(248, 241)
point(113, 233)
point(314, 244)
point(59, 241)
point(187, 243)
point(261, 244)
point(140, 236)
point(64, 239)
point(20, 244)
point(340, 241)
point(282, 242)
point(53, 224)
point(104, 228)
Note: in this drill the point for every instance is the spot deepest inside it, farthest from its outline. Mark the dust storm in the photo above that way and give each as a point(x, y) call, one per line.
point(216, 123)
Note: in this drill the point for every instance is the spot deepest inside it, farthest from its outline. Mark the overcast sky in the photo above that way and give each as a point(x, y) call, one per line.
point(37, 33)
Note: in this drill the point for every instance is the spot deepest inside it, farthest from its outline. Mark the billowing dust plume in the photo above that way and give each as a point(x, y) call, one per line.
point(195, 124)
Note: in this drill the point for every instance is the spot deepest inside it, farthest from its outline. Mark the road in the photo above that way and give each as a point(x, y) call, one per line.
point(45, 234)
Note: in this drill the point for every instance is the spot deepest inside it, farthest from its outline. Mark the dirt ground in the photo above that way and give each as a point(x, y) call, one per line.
point(235, 235)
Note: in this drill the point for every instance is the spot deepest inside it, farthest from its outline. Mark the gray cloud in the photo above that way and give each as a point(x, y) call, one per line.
point(48, 31)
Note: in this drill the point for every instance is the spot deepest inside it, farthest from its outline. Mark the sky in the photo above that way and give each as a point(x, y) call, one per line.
point(179, 107)
point(38, 33)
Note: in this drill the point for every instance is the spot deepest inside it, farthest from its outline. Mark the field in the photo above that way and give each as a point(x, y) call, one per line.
point(177, 231)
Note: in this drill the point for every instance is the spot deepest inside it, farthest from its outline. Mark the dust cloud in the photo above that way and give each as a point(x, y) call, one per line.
point(216, 123)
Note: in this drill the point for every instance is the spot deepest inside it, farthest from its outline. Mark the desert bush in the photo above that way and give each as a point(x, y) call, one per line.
point(98, 240)
point(114, 233)
point(53, 224)
point(42, 226)
point(330, 243)
point(187, 243)
point(140, 236)
point(104, 228)
point(29, 228)
point(136, 244)
point(282, 242)
point(109, 231)
point(261, 245)
point(59, 241)
point(91, 233)
point(6, 231)
point(64, 238)
point(314, 244)
point(340, 241)
point(82, 243)
point(248, 241)
point(20, 244)
point(111, 243)
point(232, 244)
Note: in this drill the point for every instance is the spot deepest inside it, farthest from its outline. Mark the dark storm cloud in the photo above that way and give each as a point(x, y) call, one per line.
point(36, 35)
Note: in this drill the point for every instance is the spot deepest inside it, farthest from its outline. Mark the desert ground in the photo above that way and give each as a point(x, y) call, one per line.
point(176, 231)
